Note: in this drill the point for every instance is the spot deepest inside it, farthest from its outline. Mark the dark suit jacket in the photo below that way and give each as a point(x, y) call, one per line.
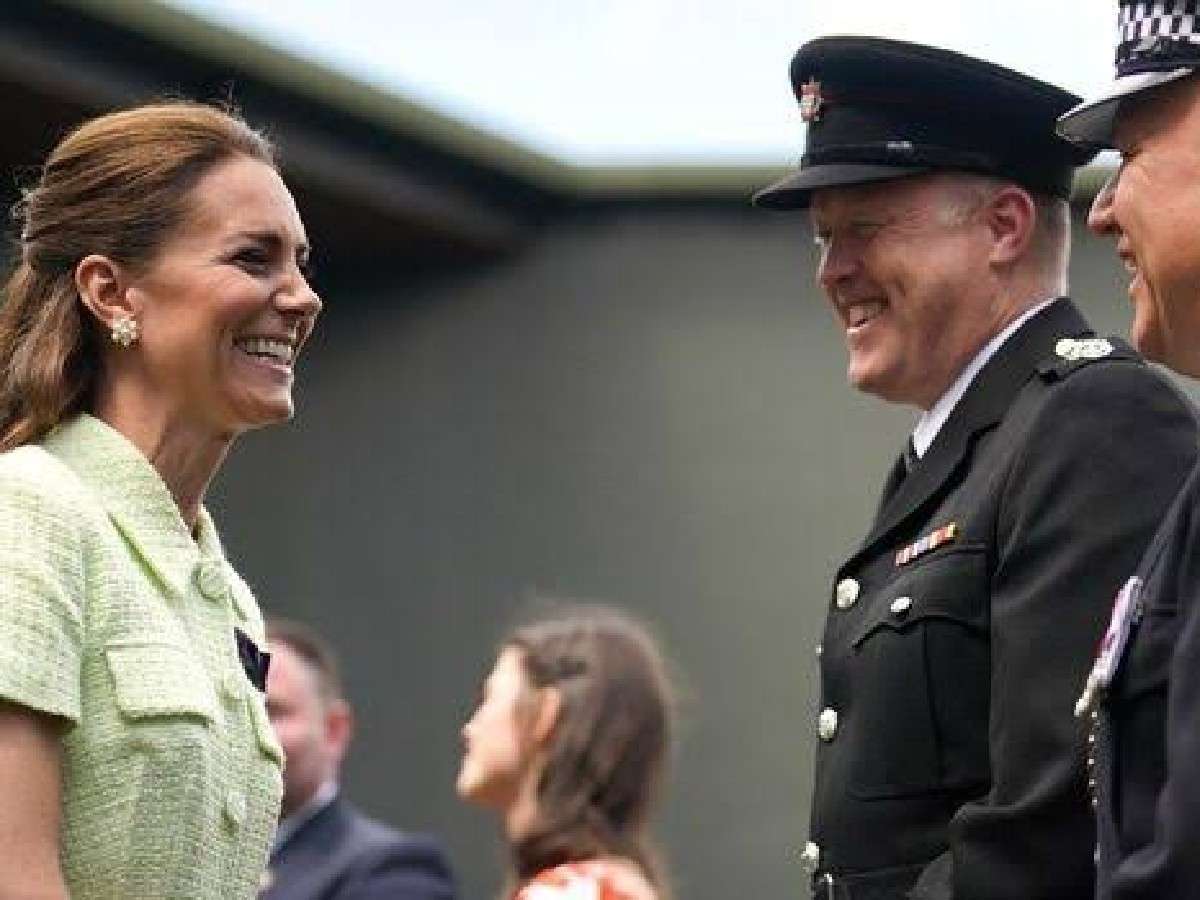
point(948, 749)
point(1148, 740)
point(340, 854)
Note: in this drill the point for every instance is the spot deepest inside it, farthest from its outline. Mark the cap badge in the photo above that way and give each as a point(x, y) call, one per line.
point(811, 101)
point(1074, 349)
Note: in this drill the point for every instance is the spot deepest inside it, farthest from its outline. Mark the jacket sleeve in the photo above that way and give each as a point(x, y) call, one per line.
point(1103, 458)
point(43, 586)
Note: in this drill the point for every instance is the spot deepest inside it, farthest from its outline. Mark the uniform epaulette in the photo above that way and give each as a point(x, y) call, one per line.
point(1073, 353)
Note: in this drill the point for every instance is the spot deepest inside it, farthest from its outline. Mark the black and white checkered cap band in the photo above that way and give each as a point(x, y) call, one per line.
point(1153, 35)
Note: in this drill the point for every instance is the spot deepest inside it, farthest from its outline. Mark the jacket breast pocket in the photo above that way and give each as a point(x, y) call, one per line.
point(921, 679)
point(159, 682)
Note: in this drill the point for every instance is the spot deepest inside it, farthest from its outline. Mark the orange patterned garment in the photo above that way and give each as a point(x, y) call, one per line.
point(597, 880)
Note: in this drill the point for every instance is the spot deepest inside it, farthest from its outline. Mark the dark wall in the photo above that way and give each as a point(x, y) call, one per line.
point(648, 408)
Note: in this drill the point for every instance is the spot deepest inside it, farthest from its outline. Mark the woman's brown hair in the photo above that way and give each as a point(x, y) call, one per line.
point(118, 185)
point(610, 741)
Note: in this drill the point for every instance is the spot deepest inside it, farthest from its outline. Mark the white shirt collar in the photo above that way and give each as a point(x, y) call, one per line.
point(935, 417)
point(289, 825)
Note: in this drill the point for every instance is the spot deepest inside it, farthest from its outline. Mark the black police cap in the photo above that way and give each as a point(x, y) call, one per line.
point(1158, 41)
point(878, 109)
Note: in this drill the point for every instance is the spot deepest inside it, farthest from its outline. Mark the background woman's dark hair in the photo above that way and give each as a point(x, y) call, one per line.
point(610, 743)
point(117, 185)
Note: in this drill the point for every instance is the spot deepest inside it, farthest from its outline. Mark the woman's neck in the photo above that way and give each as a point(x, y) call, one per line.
point(185, 455)
point(520, 815)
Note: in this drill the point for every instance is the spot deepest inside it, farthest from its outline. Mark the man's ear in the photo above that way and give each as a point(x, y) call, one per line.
point(339, 728)
point(546, 716)
point(1011, 219)
point(103, 287)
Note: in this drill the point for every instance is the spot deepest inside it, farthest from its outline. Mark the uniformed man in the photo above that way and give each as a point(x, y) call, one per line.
point(1145, 685)
point(948, 763)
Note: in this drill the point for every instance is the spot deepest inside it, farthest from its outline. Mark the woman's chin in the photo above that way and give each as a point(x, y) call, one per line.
point(464, 786)
point(264, 412)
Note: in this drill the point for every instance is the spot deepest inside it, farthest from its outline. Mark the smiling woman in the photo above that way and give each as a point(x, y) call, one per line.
point(155, 313)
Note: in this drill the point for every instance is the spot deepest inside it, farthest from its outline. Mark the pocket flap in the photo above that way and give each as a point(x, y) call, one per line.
point(951, 585)
point(160, 680)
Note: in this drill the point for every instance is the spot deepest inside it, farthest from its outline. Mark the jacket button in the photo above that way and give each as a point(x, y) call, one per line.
point(818, 650)
point(810, 858)
point(210, 579)
point(235, 810)
point(846, 593)
point(901, 605)
point(827, 724)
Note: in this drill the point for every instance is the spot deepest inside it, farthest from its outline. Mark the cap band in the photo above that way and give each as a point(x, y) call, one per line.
point(1157, 35)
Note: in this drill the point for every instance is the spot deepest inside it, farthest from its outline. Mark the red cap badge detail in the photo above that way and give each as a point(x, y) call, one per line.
point(811, 101)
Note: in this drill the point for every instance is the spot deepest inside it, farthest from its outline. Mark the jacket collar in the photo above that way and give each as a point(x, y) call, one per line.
point(136, 499)
point(982, 406)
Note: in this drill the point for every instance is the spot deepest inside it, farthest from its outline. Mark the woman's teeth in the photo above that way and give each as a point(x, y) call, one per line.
point(277, 351)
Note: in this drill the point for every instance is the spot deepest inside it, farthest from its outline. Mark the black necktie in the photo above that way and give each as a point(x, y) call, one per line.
point(910, 456)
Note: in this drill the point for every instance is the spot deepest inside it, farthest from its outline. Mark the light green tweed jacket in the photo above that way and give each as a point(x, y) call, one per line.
point(113, 617)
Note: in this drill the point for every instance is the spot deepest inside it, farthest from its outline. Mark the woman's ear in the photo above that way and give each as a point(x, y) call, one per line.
point(545, 717)
point(102, 286)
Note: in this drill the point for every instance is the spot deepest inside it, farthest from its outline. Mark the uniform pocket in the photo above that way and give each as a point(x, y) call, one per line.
point(950, 585)
point(152, 680)
point(921, 679)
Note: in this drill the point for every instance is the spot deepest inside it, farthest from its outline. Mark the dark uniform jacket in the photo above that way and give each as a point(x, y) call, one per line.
point(340, 854)
point(1148, 740)
point(959, 633)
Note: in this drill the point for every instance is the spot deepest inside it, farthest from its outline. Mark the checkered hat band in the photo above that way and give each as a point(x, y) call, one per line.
point(1157, 34)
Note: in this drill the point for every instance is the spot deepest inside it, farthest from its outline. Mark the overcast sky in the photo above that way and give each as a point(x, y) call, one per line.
point(616, 81)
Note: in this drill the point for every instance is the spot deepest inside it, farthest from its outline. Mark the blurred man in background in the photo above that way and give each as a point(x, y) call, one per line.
point(325, 849)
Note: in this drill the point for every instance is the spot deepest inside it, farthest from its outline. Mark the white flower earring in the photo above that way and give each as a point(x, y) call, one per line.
point(124, 330)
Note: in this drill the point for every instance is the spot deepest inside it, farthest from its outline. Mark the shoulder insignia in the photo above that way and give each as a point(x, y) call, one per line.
point(1073, 349)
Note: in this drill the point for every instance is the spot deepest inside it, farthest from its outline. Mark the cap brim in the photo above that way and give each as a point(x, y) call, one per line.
point(1091, 122)
point(795, 191)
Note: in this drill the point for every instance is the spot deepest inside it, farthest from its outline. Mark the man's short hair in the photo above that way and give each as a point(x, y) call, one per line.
point(313, 649)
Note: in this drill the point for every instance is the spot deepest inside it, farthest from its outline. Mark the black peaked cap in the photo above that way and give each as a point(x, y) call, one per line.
point(879, 109)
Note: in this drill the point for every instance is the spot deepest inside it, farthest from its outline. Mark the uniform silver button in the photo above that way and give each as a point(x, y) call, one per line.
point(901, 605)
point(819, 649)
point(846, 593)
point(827, 724)
point(810, 857)
point(210, 579)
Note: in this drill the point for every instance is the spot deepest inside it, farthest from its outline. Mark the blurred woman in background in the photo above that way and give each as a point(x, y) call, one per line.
point(155, 313)
point(568, 746)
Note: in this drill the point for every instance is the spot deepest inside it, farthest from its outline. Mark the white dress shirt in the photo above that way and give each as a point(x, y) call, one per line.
point(935, 417)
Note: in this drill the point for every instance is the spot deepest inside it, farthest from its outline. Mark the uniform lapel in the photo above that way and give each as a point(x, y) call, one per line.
point(980, 409)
